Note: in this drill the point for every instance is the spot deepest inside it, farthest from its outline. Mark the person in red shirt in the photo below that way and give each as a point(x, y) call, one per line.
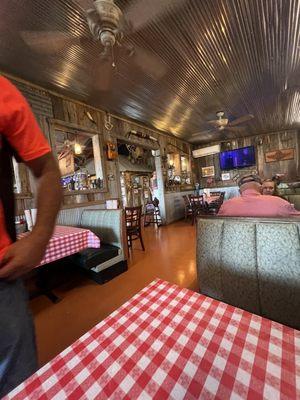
point(253, 204)
point(21, 135)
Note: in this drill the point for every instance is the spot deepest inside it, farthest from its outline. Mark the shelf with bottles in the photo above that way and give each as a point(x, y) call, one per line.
point(175, 183)
point(81, 180)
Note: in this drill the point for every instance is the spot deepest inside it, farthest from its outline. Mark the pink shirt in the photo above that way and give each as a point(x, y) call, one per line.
point(253, 204)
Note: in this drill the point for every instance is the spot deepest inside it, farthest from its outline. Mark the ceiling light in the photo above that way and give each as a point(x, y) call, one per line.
point(77, 148)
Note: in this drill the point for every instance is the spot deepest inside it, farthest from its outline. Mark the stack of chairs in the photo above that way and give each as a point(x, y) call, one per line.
point(152, 213)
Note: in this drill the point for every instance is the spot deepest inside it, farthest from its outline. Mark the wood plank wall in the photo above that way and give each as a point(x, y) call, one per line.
point(263, 143)
point(47, 106)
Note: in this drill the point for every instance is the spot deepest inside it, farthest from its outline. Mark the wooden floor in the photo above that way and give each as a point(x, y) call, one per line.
point(169, 255)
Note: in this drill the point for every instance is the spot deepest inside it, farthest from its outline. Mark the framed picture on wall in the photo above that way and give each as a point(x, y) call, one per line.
point(225, 176)
point(279, 155)
point(111, 150)
point(208, 171)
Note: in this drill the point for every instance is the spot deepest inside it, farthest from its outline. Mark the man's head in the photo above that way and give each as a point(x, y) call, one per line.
point(269, 187)
point(250, 182)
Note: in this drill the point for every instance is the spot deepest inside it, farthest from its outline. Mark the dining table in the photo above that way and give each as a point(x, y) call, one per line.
point(169, 342)
point(65, 241)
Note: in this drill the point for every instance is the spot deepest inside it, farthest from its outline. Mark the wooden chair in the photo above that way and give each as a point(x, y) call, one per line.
point(133, 217)
point(215, 205)
point(198, 206)
point(188, 211)
point(217, 194)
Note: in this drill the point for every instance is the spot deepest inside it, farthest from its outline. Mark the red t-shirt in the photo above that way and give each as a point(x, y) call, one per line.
point(18, 125)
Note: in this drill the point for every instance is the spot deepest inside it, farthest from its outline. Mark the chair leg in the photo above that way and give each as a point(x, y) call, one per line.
point(146, 220)
point(141, 240)
point(129, 241)
point(193, 217)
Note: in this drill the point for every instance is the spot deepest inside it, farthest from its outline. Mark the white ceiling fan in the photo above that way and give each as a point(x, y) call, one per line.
point(222, 123)
point(109, 25)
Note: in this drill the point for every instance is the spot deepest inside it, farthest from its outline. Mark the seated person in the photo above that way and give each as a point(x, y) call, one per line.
point(253, 204)
point(269, 187)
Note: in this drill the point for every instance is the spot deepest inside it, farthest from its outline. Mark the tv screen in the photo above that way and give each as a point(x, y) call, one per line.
point(238, 158)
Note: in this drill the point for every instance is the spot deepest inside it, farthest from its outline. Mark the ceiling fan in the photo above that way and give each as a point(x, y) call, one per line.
point(222, 123)
point(109, 25)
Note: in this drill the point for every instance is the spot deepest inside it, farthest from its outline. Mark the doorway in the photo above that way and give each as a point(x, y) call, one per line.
point(137, 175)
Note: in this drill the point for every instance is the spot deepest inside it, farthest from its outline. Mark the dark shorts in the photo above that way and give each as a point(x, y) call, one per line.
point(17, 341)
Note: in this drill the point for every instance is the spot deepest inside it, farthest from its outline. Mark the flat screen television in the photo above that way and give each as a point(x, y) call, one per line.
point(238, 158)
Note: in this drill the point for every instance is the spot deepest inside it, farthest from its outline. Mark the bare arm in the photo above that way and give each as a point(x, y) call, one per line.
point(25, 254)
point(49, 197)
point(288, 210)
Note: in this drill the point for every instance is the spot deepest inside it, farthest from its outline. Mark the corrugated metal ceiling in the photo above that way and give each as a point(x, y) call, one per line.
point(240, 56)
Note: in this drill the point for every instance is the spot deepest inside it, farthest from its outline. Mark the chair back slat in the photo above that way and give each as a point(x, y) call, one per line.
point(133, 216)
point(196, 200)
point(186, 200)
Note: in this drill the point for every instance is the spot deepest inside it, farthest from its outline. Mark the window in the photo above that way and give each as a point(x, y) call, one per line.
point(79, 157)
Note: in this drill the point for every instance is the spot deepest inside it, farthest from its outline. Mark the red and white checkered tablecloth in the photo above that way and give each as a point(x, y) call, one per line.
point(67, 240)
point(168, 342)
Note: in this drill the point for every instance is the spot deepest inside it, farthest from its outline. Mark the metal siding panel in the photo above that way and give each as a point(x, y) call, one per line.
point(238, 55)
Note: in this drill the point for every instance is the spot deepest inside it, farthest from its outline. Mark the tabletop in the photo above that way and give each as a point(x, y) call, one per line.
point(168, 342)
point(67, 240)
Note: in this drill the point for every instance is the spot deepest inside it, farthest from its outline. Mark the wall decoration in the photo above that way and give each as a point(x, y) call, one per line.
point(141, 135)
point(66, 162)
point(236, 177)
point(279, 155)
point(107, 122)
point(208, 171)
point(136, 154)
point(210, 181)
point(112, 152)
point(225, 176)
point(111, 177)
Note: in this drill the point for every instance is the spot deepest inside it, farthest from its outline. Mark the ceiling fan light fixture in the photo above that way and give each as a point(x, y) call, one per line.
point(107, 38)
point(220, 114)
point(109, 13)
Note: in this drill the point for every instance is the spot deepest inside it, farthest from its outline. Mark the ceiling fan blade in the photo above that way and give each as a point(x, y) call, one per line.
point(141, 12)
point(218, 122)
point(213, 122)
point(149, 62)
point(102, 75)
point(50, 42)
point(235, 128)
point(244, 118)
point(202, 133)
